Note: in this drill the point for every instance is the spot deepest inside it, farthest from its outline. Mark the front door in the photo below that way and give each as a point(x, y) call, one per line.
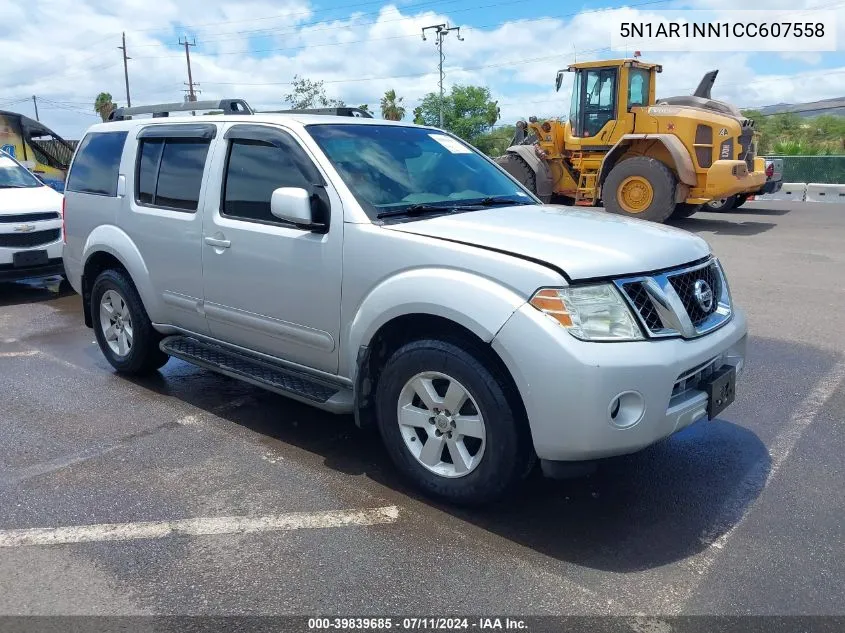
point(269, 285)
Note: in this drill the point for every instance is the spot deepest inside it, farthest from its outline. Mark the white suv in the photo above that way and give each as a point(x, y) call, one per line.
point(30, 224)
point(393, 272)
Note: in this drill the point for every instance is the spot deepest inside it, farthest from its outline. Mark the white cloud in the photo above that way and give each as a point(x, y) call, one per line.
point(293, 38)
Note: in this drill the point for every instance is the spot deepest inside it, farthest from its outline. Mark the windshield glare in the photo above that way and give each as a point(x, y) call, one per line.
point(14, 176)
point(391, 167)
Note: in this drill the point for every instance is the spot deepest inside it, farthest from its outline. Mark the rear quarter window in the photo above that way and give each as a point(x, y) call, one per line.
point(97, 163)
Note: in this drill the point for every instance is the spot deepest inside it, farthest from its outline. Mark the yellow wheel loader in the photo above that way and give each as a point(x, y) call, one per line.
point(637, 157)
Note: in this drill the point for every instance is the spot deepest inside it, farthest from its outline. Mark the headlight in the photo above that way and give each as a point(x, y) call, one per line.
point(590, 313)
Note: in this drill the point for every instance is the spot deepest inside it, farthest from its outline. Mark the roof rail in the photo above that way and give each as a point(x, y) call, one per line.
point(228, 106)
point(338, 111)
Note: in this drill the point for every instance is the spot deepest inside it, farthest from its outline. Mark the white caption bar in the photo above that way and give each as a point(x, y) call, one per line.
point(724, 31)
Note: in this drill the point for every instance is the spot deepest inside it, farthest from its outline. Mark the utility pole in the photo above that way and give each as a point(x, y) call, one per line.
point(35, 103)
point(192, 96)
point(126, 71)
point(440, 32)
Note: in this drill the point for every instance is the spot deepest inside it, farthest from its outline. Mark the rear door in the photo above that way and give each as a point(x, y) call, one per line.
point(164, 189)
point(271, 286)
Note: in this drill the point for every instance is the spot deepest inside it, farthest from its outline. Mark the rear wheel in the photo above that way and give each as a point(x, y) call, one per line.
point(721, 205)
point(122, 327)
point(640, 187)
point(448, 424)
point(684, 210)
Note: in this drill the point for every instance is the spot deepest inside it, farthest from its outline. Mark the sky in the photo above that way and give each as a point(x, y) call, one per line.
point(65, 52)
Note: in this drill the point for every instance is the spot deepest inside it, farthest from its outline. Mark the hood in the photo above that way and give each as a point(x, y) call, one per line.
point(584, 244)
point(29, 200)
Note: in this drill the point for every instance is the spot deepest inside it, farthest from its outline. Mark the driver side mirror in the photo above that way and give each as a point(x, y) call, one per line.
point(559, 80)
point(292, 204)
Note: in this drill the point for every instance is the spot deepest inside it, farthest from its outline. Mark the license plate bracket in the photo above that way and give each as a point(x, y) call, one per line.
point(721, 391)
point(25, 259)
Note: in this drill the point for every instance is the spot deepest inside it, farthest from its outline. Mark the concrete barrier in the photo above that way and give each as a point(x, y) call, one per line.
point(794, 191)
point(817, 192)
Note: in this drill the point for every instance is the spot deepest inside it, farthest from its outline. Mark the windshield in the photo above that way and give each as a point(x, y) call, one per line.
point(15, 176)
point(392, 169)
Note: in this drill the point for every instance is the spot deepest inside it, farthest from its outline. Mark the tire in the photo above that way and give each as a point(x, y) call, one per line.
point(517, 167)
point(741, 199)
point(684, 210)
point(494, 460)
point(132, 330)
point(720, 205)
point(633, 171)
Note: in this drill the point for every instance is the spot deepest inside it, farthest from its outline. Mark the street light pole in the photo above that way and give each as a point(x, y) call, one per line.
point(440, 32)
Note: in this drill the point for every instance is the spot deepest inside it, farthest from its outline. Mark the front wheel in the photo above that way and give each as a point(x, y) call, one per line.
point(121, 325)
point(741, 199)
point(721, 205)
point(448, 424)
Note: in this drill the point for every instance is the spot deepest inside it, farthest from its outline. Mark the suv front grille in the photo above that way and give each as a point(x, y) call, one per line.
point(667, 303)
point(29, 217)
point(24, 240)
point(684, 285)
point(642, 302)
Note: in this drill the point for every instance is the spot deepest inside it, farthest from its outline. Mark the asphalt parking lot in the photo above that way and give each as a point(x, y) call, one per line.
point(237, 501)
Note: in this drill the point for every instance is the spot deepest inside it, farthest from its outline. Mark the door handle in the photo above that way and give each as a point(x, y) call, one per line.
point(217, 242)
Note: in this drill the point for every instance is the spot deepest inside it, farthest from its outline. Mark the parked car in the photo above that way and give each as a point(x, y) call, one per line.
point(30, 224)
point(774, 183)
point(393, 272)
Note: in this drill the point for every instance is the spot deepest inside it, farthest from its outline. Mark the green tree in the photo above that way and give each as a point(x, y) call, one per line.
point(103, 105)
point(468, 111)
point(418, 116)
point(495, 142)
point(391, 106)
point(365, 107)
point(306, 93)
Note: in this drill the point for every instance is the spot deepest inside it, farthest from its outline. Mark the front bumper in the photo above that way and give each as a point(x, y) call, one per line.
point(569, 386)
point(51, 268)
point(727, 177)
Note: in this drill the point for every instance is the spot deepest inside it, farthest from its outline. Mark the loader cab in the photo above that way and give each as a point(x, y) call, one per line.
point(603, 96)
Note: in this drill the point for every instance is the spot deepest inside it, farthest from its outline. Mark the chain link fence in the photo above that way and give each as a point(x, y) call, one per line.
point(818, 169)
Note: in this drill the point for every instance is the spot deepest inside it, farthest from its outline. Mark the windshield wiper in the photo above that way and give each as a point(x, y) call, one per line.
point(493, 201)
point(14, 186)
point(417, 209)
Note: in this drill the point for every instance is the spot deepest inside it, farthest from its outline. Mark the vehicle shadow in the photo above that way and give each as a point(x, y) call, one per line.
point(635, 512)
point(753, 210)
point(707, 222)
point(33, 290)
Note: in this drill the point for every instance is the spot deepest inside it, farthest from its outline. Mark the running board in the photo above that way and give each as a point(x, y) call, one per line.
point(262, 373)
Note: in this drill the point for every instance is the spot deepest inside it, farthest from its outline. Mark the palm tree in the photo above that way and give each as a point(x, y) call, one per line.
point(104, 105)
point(391, 107)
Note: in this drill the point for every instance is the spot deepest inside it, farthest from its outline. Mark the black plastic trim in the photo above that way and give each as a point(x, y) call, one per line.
point(194, 130)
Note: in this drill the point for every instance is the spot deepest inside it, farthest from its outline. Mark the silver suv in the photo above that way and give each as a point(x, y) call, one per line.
point(393, 272)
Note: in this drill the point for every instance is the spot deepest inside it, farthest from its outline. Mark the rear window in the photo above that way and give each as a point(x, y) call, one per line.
point(96, 164)
point(170, 172)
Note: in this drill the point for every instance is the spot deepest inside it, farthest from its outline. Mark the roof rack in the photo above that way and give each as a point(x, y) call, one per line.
point(228, 106)
point(339, 111)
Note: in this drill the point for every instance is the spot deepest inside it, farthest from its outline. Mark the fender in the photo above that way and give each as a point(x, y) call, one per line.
point(545, 187)
point(680, 155)
point(113, 240)
point(477, 303)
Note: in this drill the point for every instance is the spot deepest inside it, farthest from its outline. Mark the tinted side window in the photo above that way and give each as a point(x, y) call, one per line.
point(149, 156)
point(170, 172)
point(97, 164)
point(254, 170)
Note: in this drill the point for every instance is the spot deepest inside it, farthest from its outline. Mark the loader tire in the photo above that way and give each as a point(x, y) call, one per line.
point(516, 166)
point(640, 187)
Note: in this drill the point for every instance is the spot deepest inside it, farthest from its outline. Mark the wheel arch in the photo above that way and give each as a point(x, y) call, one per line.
point(110, 247)
point(681, 158)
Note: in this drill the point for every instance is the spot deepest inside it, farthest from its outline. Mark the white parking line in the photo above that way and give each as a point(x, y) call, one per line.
point(737, 507)
point(31, 352)
point(197, 527)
